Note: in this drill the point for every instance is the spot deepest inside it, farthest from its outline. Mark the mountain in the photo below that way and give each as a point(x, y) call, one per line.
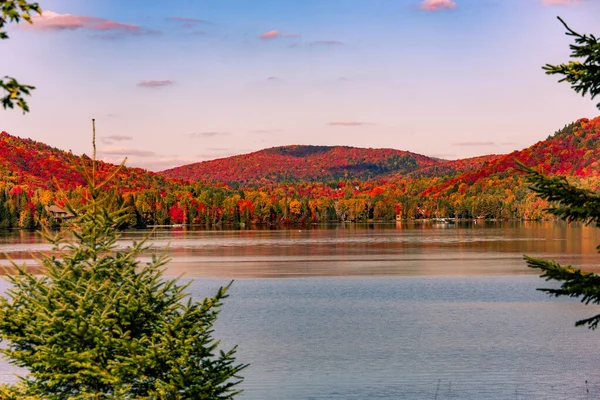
point(304, 163)
point(37, 165)
point(571, 151)
point(294, 183)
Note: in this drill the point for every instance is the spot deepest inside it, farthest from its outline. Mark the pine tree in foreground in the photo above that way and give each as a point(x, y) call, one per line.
point(572, 203)
point(98, 325)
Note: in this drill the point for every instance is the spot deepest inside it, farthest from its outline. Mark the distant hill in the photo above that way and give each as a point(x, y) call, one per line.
point(301, 183)
point(572, 151)
point(304, 163)
point(37, 165)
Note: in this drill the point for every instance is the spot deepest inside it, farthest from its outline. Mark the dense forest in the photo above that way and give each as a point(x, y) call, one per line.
point(303, 164)
point(355, 184)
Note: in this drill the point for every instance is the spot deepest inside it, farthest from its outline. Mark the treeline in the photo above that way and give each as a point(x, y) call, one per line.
point(499, 197)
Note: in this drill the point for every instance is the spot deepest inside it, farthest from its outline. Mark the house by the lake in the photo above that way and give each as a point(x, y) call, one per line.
point(58, 213)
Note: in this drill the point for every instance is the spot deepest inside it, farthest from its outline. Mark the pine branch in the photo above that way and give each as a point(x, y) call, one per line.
point(574, 283)
point(583, 74)
point(573, 203)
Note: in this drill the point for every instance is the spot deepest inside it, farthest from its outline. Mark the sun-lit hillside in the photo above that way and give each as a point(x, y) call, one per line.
point(304, 163)
point(573, 151)
point(304, 183)
point(37, 165)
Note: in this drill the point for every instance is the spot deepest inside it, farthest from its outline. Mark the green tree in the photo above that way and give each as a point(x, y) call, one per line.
point(572, 203)
point(14, 11)
point(98, 325)
point(584, 73)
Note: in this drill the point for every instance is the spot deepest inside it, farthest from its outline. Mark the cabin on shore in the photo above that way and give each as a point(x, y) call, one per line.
point(58, 213)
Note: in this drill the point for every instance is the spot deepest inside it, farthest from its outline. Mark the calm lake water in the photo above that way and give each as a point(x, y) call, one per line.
point(407, 311)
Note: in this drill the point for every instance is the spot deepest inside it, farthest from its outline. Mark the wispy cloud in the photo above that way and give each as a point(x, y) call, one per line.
point(437, 5)
point(156, 84)
point(112, 36)
point(266, 131)
point(348, 123)
point(187, 20)
point(274, 34)
point(53, 21)
point(474, 143)
point(126, 151)
point(559, 2)
point(326, 43)
point(208, 134)
point(269, 35)
point(114, 138)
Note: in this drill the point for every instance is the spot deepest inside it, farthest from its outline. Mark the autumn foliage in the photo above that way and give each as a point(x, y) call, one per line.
point(301, 184)
point(303, 163)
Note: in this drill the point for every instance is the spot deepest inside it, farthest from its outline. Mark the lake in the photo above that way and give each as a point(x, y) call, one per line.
point(389, 311)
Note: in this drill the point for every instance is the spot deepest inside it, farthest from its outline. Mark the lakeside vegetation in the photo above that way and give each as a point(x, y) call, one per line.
point(37, 176)
point(97, 326)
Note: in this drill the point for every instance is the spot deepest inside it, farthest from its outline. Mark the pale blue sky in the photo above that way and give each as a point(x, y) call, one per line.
point(194, 80)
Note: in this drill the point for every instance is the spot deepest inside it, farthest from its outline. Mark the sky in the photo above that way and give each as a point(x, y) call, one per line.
point(171, 83)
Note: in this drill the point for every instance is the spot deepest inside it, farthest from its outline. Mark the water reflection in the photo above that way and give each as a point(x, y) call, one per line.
point(399, 249)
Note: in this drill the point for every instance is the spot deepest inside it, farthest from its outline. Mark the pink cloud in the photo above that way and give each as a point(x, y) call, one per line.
point(348, 123)
point(125, 151)
point(155, 84)
point(114, 138)
point(274, 34)
point(59, 22)
point(559, 2)
point(269, 35)
point(436, 5)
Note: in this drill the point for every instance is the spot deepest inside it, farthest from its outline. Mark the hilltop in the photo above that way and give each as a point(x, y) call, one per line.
point(301, 183)
point(304, 163)
point(571, 151)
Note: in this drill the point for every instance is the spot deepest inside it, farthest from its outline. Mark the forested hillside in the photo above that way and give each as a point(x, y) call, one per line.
point(303, 163)
point(37, 165)
point(338, 184)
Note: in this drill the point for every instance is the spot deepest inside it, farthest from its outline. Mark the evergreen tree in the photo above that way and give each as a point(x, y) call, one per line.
point(572, 203)
point(584, 73)
point(98, 325)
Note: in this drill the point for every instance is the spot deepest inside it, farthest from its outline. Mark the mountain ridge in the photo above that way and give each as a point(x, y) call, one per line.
point(289, 163)
point(571, 151)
